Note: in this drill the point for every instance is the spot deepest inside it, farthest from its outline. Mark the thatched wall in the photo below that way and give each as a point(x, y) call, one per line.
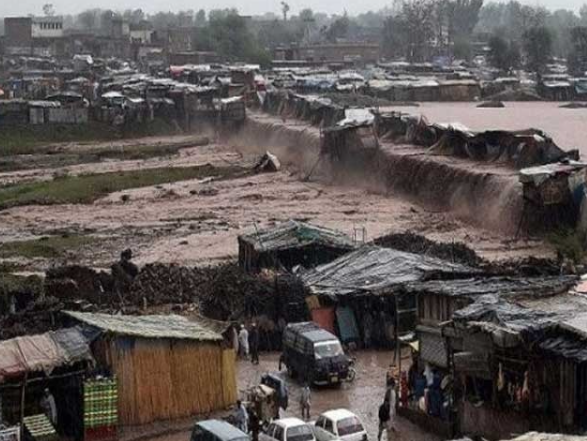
point(161, 379)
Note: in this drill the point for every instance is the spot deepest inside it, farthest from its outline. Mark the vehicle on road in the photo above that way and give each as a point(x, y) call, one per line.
point(339, 424)
point(288, 429)
point(314, 354)
point(217, 430)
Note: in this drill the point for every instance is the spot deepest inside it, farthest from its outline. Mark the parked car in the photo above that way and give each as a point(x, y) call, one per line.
point(339, 424)
point(288, 429)
point(314, 354)
point(217, 430)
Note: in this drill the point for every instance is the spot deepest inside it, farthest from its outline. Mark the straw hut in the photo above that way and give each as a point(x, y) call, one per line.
point(167, 366)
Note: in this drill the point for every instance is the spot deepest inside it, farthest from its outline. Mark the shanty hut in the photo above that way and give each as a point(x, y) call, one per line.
point(437, 302)
point(167, 366)
point(55, 361)
point(289, 244)
point(363, 292)
point(520, 365)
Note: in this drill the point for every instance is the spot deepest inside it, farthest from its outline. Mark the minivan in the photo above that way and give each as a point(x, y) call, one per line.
point(314, 354)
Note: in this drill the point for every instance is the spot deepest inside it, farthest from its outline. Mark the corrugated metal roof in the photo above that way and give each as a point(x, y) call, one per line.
point(149, 326)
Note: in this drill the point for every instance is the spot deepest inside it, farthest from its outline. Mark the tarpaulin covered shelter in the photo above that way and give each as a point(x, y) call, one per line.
point(168, 366)
point(438, 300)
point(42, 353)
point(373, 270)
point(370, 281)
point(534, 345)
point(57, 361)
point(290, 244)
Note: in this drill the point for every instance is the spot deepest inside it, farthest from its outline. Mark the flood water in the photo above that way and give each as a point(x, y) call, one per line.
point(362, 397)
point(565, 126)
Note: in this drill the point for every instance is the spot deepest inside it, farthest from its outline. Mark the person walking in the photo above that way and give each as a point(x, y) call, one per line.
point(305, 402)
point(242, 417)
point(243, 342)
point(384, 418)
point(254, 343)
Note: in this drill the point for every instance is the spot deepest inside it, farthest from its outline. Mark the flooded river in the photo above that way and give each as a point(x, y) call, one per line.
point(565, 126)
point(362, 397)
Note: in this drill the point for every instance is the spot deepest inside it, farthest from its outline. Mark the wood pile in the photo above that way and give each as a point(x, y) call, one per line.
point(456, 252)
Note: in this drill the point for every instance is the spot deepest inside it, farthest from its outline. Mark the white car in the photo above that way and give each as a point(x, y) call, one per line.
point(339, 424)
point(288, 429)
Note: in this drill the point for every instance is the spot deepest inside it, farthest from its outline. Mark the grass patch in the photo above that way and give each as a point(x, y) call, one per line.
point(85, 189)
point(49, 159)
point(30, 139)
point(48, 247)
point(569, 243)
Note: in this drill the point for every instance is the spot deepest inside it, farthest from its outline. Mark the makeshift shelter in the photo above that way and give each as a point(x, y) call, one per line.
point(167, 366)
point(365, 288)
point(520, 364)
point(56, 361)
point(290, 244)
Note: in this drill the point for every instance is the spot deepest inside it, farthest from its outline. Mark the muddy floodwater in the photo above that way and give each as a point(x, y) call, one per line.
point(362, 397)
point(565, 126)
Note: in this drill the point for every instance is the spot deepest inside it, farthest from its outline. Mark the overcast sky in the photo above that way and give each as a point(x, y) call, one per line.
point(24, 7)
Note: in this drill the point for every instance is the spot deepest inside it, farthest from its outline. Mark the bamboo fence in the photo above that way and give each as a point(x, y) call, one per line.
point(166, 379)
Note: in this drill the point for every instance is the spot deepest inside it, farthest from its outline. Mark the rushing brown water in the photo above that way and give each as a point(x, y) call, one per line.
point(565, 126)
point(362, 397)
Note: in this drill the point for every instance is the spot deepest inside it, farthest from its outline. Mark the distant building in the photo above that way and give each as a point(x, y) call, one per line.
point(141, 33)
point(34, 35)
point(357, 53)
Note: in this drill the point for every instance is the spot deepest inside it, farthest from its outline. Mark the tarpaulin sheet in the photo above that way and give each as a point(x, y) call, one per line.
point(376, 270)
point(324, 317)
point(42, 353)
point(73, 343)
point(347, 324)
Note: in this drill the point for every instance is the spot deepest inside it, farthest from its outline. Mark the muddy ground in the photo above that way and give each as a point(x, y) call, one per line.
point(362, 397)
point(197, 221)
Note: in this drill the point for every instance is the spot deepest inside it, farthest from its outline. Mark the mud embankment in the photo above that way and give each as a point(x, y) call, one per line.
point(484, 195)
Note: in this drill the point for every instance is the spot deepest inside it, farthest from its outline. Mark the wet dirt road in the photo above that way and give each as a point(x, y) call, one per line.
point(362, 397)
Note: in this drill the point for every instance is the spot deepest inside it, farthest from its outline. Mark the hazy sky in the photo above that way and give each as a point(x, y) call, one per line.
point(24, 7)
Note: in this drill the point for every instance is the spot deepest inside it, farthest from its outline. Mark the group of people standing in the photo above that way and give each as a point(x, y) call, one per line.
point(246, 342)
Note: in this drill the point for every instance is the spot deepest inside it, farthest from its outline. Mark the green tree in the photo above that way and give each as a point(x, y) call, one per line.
point(503, 55)
point(394, 42)
point(537, 42)
point(227, 34)
point(200, 18)
point(338, 29)
point(577, 59)
point(284, 10)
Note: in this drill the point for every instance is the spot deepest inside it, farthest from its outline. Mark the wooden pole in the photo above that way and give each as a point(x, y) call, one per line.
point(22, 399)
